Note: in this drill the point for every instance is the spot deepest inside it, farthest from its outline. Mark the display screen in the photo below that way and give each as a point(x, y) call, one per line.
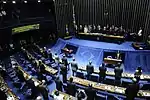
point(25, 28)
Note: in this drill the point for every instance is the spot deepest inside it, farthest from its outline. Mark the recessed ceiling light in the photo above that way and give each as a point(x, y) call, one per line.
point(39, 1)
point(4, 1)
point(13, 1)
point(25, 1)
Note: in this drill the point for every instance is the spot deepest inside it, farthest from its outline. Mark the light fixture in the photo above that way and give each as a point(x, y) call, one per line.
point(39, 0)
point(4, 1)
point(13, 1)
point(4, 13)
point(1, 15)
point(25, 1)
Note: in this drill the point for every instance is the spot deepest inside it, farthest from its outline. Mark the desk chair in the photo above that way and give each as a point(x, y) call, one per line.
point(109, 81)
point(94, 78)
point(80, 75)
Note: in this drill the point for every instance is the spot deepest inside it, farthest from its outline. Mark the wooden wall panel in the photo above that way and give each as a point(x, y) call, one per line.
point(131, 14)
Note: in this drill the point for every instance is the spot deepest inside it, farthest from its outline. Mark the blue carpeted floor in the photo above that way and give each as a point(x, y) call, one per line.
point(93, 50)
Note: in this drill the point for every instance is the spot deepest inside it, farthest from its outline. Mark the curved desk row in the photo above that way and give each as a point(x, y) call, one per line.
point(47, 68)
point(64, 95)
point(124, 74)
point(108, 88)
point(4, 87)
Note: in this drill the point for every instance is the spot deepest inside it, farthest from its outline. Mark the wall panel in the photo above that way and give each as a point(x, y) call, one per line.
point(131, 14)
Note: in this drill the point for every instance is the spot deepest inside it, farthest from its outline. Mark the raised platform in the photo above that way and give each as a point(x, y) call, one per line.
point(93, 51)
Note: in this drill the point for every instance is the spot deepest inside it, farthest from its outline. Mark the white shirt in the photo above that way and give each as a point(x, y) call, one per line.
point(140, 33)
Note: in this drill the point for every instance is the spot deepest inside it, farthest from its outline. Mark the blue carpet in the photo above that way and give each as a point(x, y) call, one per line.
point(86, 54)
point(58, 46)
point(93, 50)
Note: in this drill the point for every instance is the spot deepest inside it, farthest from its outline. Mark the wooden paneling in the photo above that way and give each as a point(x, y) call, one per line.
point(131, 14)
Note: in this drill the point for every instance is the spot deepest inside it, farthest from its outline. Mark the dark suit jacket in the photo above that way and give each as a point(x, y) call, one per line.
point(89, 69)
point(74, 66)
point(63, 70)
point(131, 91)
point(91, 93)
point(71, 88)
point(65, 61)
point(59, 85)
point(102, 72)
point(118, 72)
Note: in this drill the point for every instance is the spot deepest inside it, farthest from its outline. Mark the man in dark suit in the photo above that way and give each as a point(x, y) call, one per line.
point(138, 73)
point(74, 66)
point(42, 67)
point(50, 55)
point(64, 72)
point(59, 84)
point(3, 95)
point(132, 90)
point(65, 61)
point(118, 73)
point(91, 93)
point(45, 52)
point(102, 72)
point(71, 87)
point(89, 69)
point(44, 91)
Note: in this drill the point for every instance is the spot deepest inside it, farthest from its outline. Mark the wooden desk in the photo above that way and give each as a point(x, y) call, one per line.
point(47, 68)
point(26, 75)
point(104, 35)
point(112, 61)
point(65, 95)
point(108, 88)
point(124, 74)
point(4, 87)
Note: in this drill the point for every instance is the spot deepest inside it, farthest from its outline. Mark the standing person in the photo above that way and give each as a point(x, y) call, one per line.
point(132, 90)
point(59, 84)
point(50, 55)
point(64, 72)
point(102, 72)
point(91, 93)
point(89, 69)
point(65, 61)
point(74, 66)
point(71, 87)
point(138, 73)
point(118, 74)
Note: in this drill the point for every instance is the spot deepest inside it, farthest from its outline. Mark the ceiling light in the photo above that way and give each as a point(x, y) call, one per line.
point(39, 1)
point(25, 1)
point(13, 1)
point(4, 1)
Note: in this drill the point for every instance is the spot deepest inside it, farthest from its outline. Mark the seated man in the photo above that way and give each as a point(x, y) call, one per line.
point(102, 72)
point(89, 69)
point(118, 74)
point(138, 73)
point(74, 66)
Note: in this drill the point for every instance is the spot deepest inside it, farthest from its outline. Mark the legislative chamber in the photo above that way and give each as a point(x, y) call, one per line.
point(74, 50)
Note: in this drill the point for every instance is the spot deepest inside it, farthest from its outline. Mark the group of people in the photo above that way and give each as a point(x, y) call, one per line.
point(111, 30)
point(71, 87)
point(81, 94)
